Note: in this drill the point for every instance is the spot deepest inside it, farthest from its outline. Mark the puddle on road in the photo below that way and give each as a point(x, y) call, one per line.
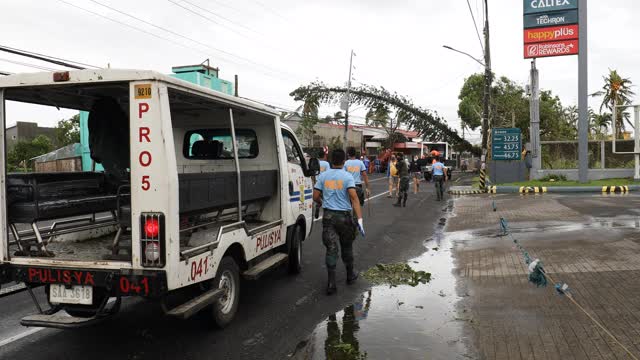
point(398, 322)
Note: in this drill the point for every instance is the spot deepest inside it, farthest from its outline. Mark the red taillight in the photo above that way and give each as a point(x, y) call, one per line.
point(151, 227)
point(152, 239)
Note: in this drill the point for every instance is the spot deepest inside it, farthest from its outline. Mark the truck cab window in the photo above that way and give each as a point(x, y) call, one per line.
point(293, 152)
point(212, 144)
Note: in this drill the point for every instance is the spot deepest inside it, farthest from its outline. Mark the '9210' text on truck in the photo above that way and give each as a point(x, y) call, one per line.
point(199, 189)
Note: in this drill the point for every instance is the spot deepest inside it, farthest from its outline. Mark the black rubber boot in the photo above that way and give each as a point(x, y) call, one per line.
point(331, 284)
point(352, 275)
point(404, 200)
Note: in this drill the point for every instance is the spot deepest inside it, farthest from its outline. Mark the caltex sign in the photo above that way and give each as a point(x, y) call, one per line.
point(550, 28)
point(540, 6)
point(552, 48)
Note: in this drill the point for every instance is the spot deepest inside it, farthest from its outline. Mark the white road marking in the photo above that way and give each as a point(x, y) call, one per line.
point(17, 337)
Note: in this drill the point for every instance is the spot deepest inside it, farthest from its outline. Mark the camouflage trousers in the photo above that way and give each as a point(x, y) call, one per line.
point(338, 230)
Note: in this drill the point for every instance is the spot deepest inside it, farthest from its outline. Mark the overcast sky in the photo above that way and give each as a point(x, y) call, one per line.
point(276, 45)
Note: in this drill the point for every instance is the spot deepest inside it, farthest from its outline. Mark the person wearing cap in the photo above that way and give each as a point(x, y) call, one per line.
point(335, 190)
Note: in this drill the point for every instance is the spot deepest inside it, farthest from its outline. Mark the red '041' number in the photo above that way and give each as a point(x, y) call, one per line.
point(141, 288)
point(197, 268)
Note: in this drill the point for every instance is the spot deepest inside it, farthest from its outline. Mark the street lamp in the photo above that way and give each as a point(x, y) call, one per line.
point(464, 53)
point(487, 86)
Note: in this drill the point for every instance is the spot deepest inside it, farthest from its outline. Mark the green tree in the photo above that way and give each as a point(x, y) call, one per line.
point(19, 159)
point(426, 122)
point(337, 118)
point(68, 131)
point(599, 124)
point(471, 96)
point(306, 129)
point(510, 106)
point(335, 143)
point(616, 91)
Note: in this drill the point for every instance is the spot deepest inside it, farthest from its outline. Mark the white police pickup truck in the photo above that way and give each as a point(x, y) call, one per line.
point(199, 189)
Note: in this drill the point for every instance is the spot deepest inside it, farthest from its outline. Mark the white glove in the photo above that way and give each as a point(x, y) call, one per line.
point(361, 227)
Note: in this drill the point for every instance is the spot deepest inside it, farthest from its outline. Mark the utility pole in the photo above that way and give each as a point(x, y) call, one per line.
point(487, 83)
point(348, 102)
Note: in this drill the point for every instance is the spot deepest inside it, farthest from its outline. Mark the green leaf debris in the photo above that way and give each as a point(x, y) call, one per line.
point(396, 274)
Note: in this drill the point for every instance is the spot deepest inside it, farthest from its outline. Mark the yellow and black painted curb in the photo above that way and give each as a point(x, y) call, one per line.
point(466, 192)
point(522, 190)
point(615, 189)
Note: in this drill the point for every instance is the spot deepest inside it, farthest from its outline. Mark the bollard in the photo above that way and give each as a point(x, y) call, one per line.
point(483, 182)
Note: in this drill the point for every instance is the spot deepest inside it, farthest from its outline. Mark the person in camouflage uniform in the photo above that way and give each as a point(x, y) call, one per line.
point(403, 174)
point(335, 191)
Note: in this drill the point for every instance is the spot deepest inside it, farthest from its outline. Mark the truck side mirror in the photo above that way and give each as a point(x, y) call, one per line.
point(313, 168)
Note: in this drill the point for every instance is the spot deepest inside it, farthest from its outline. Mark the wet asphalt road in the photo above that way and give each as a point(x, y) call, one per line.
point(275, 314)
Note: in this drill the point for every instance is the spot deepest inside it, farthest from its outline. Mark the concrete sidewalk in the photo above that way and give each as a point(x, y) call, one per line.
point(590, 242)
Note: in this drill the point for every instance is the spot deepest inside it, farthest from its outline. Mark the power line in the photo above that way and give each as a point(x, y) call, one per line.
point(220, 16)
point(475, 26)
point(268, 8)
point(173, 33)
point(50, 57)
point(39, 57)
point(207, 18)
point(28, 65)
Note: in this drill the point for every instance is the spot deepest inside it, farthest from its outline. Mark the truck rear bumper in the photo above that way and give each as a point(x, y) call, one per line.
point(119, 283)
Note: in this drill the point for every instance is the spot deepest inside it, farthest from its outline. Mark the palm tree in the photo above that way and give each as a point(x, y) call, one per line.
point(599, 123)
point(378, 116)
point(616, 92)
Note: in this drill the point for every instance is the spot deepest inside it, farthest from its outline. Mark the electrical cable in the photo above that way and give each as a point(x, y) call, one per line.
point(208, 19)
point(51, 57)
point(229, 54)
point(220, 16)
point(43, 58)
point(28, 65)
point(5, 73)
point(475, 25)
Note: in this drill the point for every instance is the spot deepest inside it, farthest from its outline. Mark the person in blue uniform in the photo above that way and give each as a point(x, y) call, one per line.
point(324, 164)
point(335, 190)
point(359, 172)
point(438, 177)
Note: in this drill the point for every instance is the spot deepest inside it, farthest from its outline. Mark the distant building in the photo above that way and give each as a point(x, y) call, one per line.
point(27, 131)
point(325, 132)
point(65, 159)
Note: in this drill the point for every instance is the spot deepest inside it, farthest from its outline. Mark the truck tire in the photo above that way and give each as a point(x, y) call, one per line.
point(295, 251)
point(228, 277)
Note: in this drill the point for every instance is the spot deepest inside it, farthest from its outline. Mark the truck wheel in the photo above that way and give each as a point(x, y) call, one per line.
point(228, 279)
point(295, 253)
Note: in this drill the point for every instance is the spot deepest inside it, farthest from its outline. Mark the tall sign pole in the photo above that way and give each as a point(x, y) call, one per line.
point(583, 96)
point(487, 84)
point(534, 110)
point(557, 28)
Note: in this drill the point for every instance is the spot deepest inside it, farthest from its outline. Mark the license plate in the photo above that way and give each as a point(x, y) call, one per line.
point(77, 294)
